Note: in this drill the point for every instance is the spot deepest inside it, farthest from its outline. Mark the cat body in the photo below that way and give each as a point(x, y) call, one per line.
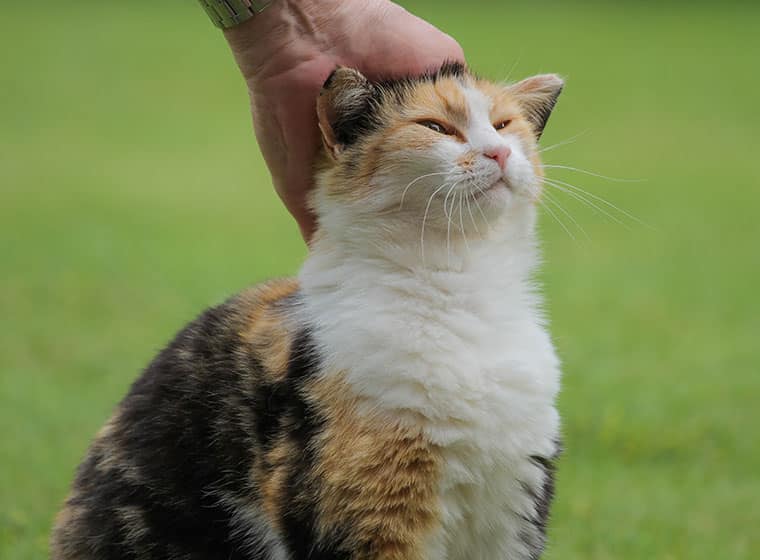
point(464, 358)
point(396, 401)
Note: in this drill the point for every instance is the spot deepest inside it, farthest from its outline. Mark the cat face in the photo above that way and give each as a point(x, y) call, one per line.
point(443, 151)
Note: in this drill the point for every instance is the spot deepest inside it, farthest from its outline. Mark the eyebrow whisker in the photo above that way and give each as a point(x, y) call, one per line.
point(562, 143)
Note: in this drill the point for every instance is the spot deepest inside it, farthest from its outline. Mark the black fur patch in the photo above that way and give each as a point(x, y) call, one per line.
point(163, 483)
point(543, 499)
point(330, 79)
point(540, 115)
point(303, 424)
point(449, 69)
point(535, 537)
point(350, 127)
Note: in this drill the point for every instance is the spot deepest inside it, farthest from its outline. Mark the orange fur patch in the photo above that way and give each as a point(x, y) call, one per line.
point(265, 332)
point(272, 479)
point(375, 476)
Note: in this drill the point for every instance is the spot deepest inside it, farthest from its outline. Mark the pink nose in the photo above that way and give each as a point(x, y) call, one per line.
point(500, 154)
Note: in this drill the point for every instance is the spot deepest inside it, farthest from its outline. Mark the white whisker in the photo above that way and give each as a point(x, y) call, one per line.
point(401, 204)
point(461, 221)
point(424, 218)
point(472, 218)
point(602, 200)
point(566, 213)
point(514, 65)
point(446, 212)
point(585, 172)
point(448, 225)
point(587, 202)
point(556, 218)
point(480, 209)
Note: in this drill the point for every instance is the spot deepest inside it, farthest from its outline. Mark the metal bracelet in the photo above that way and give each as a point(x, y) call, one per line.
point(229, 13)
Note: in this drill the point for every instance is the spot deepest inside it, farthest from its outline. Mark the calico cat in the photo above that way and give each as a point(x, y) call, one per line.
point(397, 400)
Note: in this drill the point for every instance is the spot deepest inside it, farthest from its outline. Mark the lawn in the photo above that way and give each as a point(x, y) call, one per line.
point(132, 196)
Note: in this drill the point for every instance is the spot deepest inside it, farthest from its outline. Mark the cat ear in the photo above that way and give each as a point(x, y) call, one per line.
point(537, 97)
point(343, 108)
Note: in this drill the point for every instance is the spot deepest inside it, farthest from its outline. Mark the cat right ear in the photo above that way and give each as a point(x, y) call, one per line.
point(343, 108)
point(537, 97)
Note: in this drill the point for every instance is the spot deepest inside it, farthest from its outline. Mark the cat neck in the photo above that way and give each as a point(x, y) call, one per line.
point(378, 308)
point(386, 259)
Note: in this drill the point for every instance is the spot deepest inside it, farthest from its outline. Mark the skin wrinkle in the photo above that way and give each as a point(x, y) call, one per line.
point(279, 29)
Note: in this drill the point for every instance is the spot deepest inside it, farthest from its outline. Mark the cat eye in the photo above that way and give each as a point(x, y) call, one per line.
point(437, 127)
point(501, 125)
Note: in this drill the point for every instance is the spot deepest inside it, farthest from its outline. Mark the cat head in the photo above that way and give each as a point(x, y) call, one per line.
point(447, 153)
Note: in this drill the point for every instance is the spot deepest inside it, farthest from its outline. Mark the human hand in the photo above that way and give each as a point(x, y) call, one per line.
point(288, 51)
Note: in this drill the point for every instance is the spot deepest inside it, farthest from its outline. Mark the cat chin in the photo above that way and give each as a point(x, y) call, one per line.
point(495, 198)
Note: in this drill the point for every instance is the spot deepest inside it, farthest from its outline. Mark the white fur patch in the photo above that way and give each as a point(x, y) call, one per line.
point(454, 343)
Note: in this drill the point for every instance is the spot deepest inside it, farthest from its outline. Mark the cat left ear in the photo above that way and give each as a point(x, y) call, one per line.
point(342, 107)
point(537, 97)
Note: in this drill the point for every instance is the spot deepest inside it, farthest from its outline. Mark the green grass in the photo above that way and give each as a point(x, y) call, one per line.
point(132, 195)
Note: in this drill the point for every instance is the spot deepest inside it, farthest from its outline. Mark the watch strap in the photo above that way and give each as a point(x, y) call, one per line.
point(229, 13)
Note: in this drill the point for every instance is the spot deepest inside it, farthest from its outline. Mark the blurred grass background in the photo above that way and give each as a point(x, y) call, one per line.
point(132, 196)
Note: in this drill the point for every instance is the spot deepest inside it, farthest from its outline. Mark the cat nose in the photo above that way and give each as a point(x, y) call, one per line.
point(500, 154)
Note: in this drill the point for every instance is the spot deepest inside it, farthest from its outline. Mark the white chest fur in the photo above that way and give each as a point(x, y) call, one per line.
point(464, 354)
